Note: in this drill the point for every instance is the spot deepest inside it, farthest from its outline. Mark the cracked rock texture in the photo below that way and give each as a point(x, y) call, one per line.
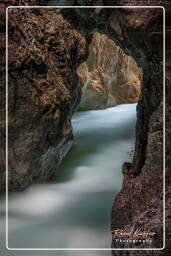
point(108, 77)
point(43, 56)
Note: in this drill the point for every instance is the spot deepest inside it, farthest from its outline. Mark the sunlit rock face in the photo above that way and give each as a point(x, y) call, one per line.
point(108, 77)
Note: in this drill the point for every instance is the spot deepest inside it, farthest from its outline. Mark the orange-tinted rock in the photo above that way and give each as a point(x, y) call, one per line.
point(108, 77)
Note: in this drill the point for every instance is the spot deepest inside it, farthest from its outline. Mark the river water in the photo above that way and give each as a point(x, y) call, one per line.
point(74, 210)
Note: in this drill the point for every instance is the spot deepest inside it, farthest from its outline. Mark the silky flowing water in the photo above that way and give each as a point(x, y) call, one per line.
point(74, 210)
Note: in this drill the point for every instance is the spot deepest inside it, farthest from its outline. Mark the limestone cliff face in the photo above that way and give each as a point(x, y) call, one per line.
point(108, 77)
point(43, 56)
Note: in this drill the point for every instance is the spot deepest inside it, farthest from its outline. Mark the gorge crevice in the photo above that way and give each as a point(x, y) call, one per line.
point(141, 40)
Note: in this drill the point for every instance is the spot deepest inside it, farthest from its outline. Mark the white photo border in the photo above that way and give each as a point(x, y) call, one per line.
point(85, 249)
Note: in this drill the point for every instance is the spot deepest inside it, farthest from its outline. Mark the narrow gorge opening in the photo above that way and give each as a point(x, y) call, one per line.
point(104, 138)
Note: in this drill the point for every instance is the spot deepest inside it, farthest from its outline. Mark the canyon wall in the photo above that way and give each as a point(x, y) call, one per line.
point(43, 56)
point(108, 77)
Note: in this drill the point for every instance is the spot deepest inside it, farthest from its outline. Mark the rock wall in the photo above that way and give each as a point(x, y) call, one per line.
point(108, 77)
point(43, 56)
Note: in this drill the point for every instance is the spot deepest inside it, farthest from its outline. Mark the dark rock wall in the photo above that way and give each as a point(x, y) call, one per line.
point(43, 55)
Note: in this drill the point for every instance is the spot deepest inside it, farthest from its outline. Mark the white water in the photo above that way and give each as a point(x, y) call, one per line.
point(74, 211)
